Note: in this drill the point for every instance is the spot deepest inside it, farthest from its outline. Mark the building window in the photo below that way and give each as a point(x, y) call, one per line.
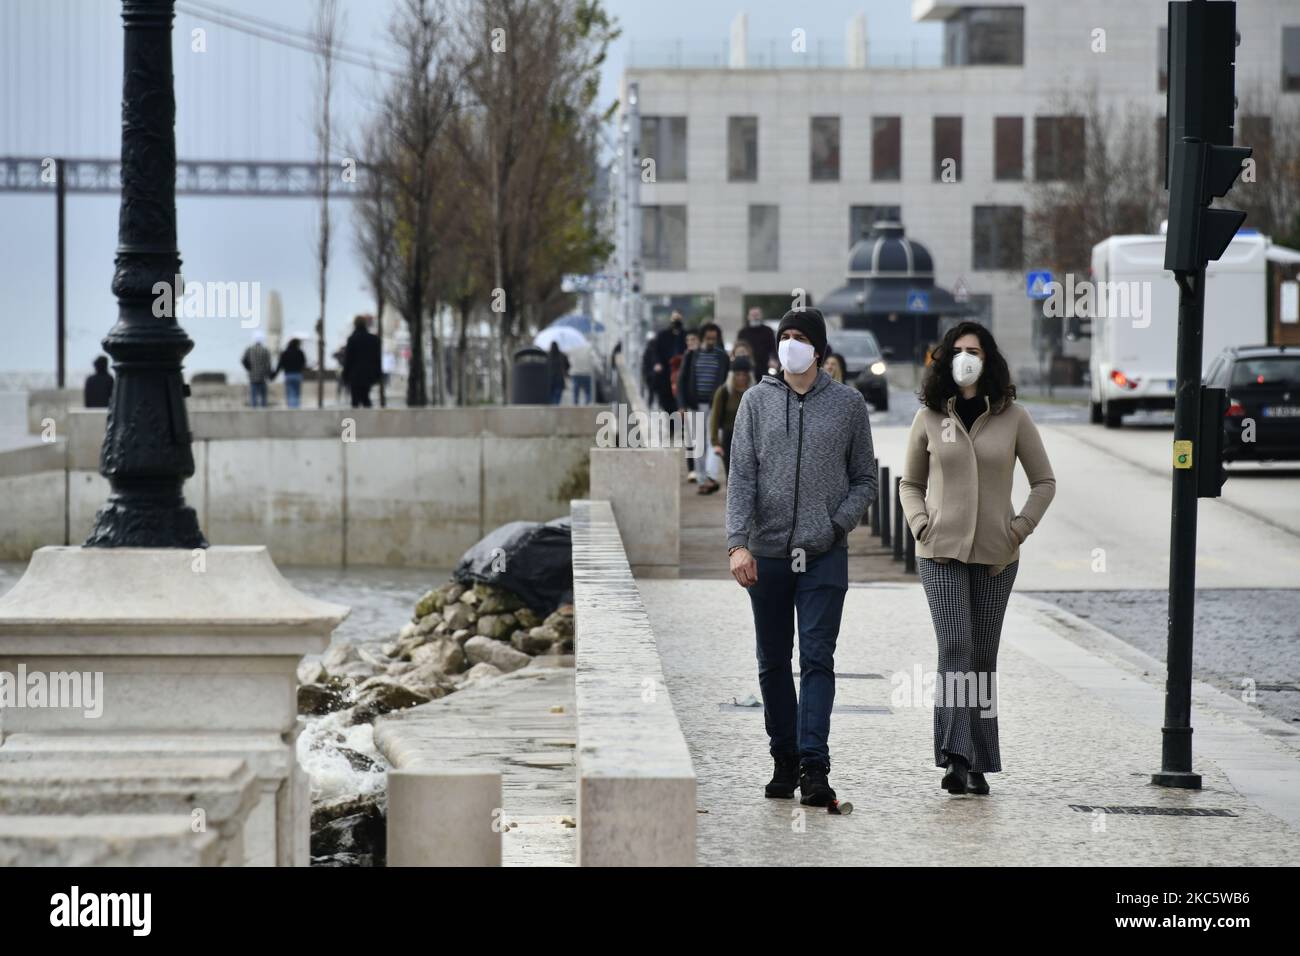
point(862, 218)
point(825, 153)
point(887, 148)
point(985, 36)
point(764, 238)
point(1008, 147)
point(663, 139)
point(998, 238)
point(742, 149)
point(1162, 58)
point(1291, 59)
point(663, 237)
point(1058, 148)
point(947, 149)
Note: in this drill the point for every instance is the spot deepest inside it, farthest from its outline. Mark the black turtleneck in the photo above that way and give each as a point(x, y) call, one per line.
point(969, 409)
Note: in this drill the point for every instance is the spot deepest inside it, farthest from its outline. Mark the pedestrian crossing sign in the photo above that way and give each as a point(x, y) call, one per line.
point(918, 301)
point(1036, 284)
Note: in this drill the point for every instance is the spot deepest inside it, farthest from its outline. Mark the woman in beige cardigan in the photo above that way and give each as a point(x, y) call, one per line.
point(956, 495)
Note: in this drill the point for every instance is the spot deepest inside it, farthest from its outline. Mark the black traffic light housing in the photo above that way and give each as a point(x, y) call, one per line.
point(1208, 463)
point(1200, 96)
point(1200, 103)
point(1197, 233)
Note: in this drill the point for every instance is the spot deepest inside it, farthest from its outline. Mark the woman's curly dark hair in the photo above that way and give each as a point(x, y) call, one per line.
point(995, 380)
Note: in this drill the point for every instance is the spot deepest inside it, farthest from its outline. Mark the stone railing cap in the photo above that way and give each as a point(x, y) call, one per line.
point(237, 587)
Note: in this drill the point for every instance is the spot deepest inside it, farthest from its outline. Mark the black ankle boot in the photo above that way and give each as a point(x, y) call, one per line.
point(976, 784)
point(956, 779)
point(815, 788)
point(785, 777)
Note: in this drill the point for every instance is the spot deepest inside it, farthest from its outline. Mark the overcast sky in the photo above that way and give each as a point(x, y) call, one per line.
point(246, 97)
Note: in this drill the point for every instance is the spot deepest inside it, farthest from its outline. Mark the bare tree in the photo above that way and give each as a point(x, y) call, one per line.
point(1269, 188)
point(529, 67)
point(417, 106)
point(375, 213)
point(325, 31)
point(1116, 189)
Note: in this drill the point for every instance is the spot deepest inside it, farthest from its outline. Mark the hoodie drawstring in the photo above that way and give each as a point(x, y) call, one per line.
point(787, 411)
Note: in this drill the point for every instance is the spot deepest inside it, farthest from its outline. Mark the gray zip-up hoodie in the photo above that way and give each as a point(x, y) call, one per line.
point(802, 469)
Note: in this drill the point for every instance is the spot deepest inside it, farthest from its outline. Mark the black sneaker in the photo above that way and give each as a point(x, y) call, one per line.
point(785, 776)
point(814, 786)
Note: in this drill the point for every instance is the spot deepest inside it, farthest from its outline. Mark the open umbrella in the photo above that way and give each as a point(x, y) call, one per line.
point(566, 337)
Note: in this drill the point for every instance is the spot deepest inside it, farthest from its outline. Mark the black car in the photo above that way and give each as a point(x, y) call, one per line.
point(864, 365)
point(1263, 386)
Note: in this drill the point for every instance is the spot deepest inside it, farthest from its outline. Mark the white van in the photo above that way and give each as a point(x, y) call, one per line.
point(1135, 318)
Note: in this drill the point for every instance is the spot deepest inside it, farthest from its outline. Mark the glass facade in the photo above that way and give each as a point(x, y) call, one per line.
point(663, 139)
point(764, 238)
point(663, 237)
point(886, 148)
point(998, 238)
point(825, 152)
point(742, 149)
point(985, 36)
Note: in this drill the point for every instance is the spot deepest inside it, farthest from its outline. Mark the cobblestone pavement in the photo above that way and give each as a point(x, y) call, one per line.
point(1061, 746)
point(1240, 635)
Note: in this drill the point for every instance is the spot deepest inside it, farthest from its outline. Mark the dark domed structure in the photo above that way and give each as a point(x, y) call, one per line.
point(891, 291)
point(886, 253)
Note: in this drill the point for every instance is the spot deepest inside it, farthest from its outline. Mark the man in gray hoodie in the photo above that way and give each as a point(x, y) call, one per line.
point(802, 473)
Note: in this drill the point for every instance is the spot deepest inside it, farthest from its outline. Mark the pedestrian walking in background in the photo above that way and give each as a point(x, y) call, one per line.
point(581, 369)
point(557, 369)
point(98, 390)
point(760, 341)
point(956, 495)
point(668, 344)
point(788, 523)
point(257, 361)
point(703, 372)
point(675, 374)
point(362, 363)
point(292, 361)
point(834, 366)
point(726, 402)
point(648, 371)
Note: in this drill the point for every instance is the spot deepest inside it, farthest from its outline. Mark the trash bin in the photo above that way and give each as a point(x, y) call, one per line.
point(530, 378)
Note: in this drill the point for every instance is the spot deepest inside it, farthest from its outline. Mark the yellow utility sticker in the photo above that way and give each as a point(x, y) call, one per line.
point(1182, 454)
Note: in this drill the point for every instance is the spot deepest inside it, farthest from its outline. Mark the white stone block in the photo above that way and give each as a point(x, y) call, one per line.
point(129, 840)
point(444, 816)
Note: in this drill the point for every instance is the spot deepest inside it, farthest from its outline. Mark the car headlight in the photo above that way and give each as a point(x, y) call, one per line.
point(877, 368)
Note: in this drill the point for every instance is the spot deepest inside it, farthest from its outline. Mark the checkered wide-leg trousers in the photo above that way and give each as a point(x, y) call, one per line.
point(967, 605)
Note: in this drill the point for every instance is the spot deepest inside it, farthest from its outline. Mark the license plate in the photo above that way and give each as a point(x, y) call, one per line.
point(1282, 411)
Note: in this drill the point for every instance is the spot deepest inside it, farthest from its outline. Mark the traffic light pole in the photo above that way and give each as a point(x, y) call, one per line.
point(1176, 739)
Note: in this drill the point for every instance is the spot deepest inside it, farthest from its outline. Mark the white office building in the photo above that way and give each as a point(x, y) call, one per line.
point(763, 175)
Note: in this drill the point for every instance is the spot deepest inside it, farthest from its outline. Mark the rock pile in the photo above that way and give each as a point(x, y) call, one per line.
point(458, 636)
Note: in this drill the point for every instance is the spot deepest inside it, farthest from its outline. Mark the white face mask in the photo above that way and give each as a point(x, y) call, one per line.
point(796, 356)
point(966, 368)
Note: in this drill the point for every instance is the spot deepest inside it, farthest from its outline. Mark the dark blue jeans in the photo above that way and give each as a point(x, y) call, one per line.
point(816, 594)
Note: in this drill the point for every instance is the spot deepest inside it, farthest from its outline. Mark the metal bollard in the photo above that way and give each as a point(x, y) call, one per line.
point(885, 518)
point(909, 560)
point(873, 510)
point(898, 523)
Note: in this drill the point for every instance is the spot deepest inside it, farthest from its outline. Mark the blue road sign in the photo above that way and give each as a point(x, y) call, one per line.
point(918, 301)
point(1036, 284)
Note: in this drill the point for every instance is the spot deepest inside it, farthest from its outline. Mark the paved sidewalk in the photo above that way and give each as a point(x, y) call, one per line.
point(1080, 726)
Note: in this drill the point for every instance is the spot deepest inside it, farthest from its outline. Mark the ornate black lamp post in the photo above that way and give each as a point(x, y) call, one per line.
point(146, 454)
